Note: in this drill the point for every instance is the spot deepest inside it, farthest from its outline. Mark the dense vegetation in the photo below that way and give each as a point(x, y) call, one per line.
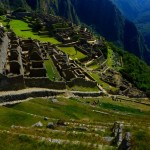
point(139, 12)
point(134, 69)
point(2, 11)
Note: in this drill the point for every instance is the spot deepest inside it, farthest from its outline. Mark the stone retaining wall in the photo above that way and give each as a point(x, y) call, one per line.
point(11, 83)
point(44, 83)
point(23, 96)
point(88, 94)
point(81, 82)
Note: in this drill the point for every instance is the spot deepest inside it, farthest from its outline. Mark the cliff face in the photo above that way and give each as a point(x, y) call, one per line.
point(139, 12)
point(109, 22)
point(102, 15)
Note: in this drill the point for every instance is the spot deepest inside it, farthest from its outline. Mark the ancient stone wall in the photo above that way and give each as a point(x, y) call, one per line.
point(81, 82)
point(3, 53)
point(88, 94)
point(11, 83)
point(25, 95)
point(44, 83)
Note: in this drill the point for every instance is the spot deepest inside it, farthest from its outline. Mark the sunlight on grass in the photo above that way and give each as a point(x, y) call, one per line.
point(73, 53)
point(51, 70)
point(84, 89)
point(102, 83)
point(94, 65)
point(22, 30)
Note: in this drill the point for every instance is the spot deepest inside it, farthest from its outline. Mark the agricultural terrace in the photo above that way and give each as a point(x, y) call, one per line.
point(51, 70)
point(90, 124)
point(73, 53)
point(22, 29)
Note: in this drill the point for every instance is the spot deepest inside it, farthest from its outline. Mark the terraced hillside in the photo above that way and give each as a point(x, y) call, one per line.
point(74, 52)
point(70, 89)
point(72, 123)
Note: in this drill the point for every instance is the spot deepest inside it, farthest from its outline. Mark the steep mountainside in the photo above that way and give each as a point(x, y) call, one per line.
point(102, 15)
point(139, 12)
point(108, 21)
point(133, 9)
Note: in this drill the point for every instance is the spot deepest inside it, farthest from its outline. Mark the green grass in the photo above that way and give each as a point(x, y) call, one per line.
point(64, 109)
point(121, 108)
point(68, 135)
point(140, 139)
point(22, 30)
point(94, 65)
point(109, 57)
point(51, 70)
point(72, 110)
point(126, 104)
point(10, 117)
point(84, 89)
point(24, 142)
point(106, 86)
point(73, 53)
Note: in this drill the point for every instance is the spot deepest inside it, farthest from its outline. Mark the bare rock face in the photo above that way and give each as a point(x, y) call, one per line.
point(117, 132)
point(54, 100)
point(126, 143)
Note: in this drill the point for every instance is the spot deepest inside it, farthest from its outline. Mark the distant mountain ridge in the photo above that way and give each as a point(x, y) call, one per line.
point(133, 9)
point(102, 15)
point(139, 12)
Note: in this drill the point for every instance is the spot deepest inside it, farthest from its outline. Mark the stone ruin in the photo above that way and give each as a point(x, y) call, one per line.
point(68, 69)
point(64, 30)
point(49, 19)
point(3, 46)
point(24, 59)
point(124, 87)
point(93, 51)
point(111, 77)
point(22, 64)
point(20, 59)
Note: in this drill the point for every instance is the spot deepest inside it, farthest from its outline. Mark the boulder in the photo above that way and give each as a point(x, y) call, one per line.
point(50, 125)
point(45, 118)
point(54, 100)
point(126, 143)
point(117, 133)
point(60, 123)
point(38, 124)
